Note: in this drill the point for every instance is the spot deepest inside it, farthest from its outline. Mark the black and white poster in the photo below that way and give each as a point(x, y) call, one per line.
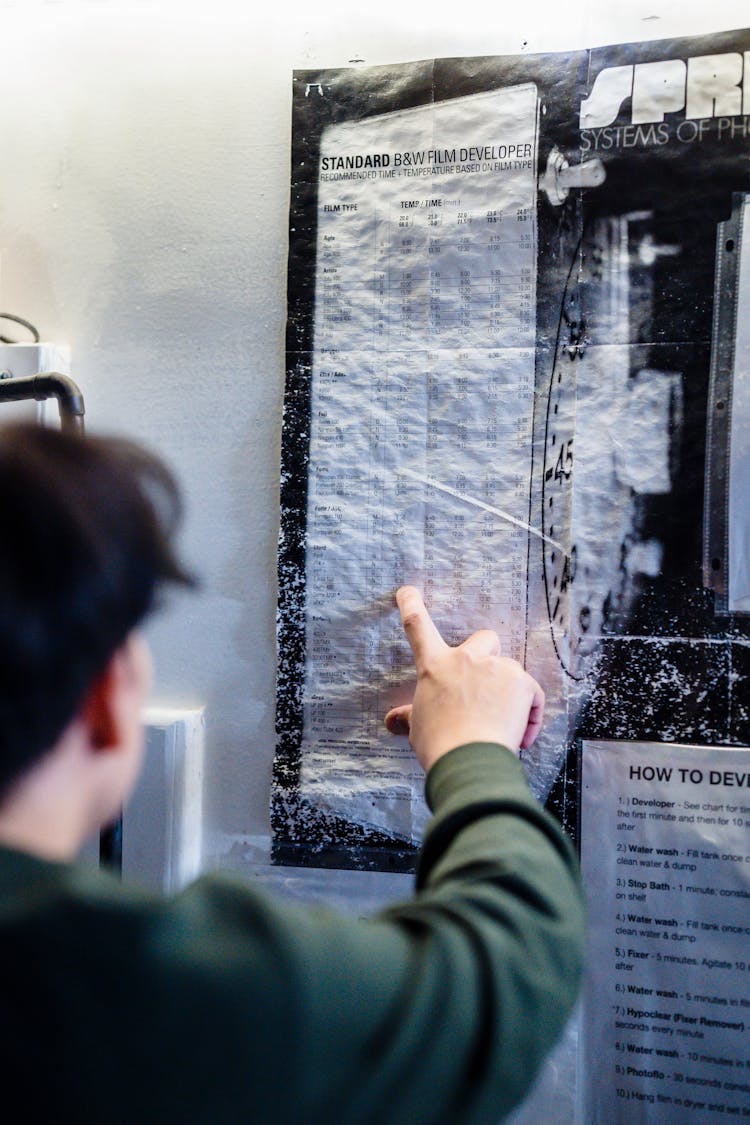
point(519, 378)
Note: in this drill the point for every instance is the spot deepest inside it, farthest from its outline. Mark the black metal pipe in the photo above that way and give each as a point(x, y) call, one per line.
point(48, 384)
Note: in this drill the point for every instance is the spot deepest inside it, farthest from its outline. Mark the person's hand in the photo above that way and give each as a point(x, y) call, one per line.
point(465, 694)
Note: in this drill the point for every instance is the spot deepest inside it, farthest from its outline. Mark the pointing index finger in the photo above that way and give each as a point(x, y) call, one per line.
point(421, 631)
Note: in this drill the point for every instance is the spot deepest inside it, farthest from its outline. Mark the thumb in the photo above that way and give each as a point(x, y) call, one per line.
point(398, 719)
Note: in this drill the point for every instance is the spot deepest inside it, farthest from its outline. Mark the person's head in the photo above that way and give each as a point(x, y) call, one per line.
point(85, 546)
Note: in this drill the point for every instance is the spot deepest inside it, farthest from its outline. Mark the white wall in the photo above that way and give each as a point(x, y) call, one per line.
point(143, 200)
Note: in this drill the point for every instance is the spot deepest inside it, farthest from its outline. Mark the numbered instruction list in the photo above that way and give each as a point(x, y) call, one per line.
point(665, 852)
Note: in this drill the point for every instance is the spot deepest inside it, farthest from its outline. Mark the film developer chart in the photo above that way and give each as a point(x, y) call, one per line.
point(421, 407)
point(667, 1008)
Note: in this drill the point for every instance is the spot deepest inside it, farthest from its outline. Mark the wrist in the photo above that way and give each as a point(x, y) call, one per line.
point(445, 743)
point(476, 768)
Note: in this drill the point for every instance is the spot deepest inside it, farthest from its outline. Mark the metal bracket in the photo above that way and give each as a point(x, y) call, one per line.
point(719, 407)
point(560, 176)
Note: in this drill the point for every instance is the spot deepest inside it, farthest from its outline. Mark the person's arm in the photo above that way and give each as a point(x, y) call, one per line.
point(495, 871)
point(437, 1012)
point(442, 1009)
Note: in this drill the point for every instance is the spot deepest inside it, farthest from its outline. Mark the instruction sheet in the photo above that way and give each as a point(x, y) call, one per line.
point(666, 1028)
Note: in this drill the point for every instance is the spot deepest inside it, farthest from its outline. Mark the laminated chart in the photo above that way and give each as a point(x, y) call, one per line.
point(421, 416)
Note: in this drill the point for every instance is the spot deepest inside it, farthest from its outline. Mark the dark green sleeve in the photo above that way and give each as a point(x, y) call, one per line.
point(226, 1006)
point(499, 888)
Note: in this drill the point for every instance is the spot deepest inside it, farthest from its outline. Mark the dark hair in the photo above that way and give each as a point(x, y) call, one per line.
point(85, 544)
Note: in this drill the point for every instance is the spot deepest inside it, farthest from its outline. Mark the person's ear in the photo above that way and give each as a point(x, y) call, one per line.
point(100, 709)
point(112, 708)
